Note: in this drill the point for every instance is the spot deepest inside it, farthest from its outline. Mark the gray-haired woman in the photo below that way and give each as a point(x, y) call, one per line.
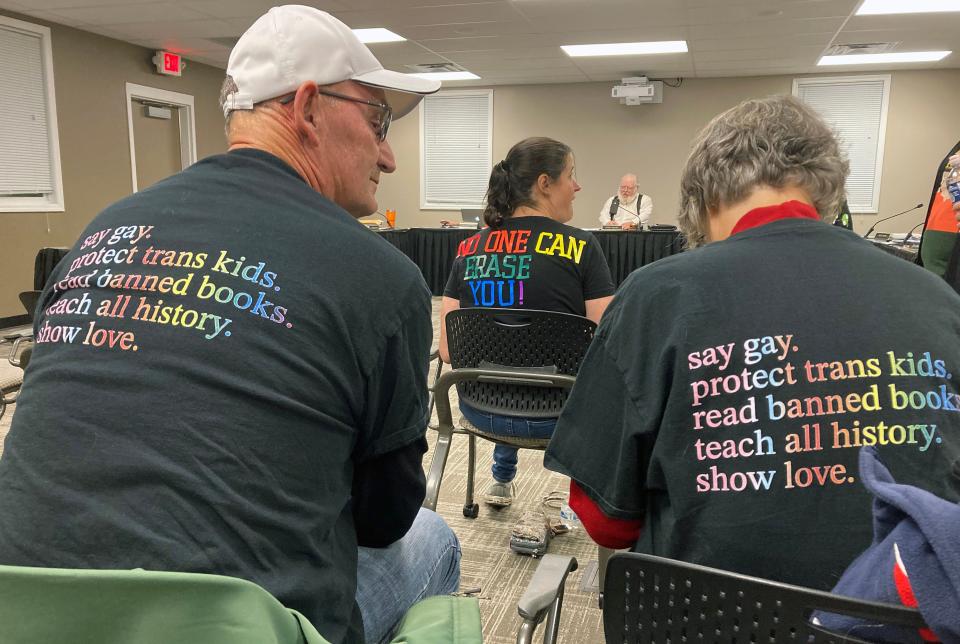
point(717, 414)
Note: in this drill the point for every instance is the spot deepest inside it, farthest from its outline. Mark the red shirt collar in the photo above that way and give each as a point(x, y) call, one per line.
point(787, 210)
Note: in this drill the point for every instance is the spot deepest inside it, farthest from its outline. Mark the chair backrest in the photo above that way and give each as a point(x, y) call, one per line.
point(146, 607)
point(517, 340)
point(652, 599)
point(29, 300)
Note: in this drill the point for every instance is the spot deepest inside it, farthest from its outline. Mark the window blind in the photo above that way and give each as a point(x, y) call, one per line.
point(856, 108)
point(25, 159)
point(456, 148)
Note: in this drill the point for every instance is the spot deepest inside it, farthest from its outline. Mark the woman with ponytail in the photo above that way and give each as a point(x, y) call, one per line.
point(526, 258)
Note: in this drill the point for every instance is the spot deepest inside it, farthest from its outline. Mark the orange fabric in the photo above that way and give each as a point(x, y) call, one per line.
point(942, 216)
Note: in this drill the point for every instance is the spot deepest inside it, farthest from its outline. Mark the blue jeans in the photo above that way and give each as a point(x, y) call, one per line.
point(504, 457)
point(425, 562)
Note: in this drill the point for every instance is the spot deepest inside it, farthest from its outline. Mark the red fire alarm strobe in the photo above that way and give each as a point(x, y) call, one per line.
point(169, 63)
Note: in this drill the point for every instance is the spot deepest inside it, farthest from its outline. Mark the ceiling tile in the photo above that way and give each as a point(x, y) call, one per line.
point(425, 16)
point(466, 30)
point(41, 5)
point(165, 12)
point(769, 12)
point(784, 42)
point(807, 54)
point(50, 16)
point(755, 29)
point(251, 8)
point(489, 42)
point(601, 17)
point(207, 28)
point(407, 4)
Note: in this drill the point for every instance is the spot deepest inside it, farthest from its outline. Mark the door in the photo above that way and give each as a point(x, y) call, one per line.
point(159, 147)
point(156, 141)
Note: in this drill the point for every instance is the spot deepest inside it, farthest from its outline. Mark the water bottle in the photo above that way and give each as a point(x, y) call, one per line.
point(569, 517)
point(953, 179)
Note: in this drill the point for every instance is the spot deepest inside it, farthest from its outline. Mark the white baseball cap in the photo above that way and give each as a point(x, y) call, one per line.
point(292, 44)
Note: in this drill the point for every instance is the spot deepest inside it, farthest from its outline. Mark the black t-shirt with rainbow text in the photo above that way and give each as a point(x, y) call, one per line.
point(727, 391)
point(215, 362)
point(529, 263)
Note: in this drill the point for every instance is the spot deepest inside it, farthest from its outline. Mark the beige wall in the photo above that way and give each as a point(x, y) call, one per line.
point(90, 73)
point(610, 139)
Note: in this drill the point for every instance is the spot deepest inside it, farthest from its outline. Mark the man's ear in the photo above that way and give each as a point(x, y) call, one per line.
point(305, 110)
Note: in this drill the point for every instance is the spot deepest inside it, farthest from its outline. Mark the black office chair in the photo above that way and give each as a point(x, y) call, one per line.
point(21, 348)
point(510, 362)
point(655, 600)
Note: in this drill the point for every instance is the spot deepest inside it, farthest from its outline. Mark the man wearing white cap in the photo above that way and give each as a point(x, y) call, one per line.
point(230, 371)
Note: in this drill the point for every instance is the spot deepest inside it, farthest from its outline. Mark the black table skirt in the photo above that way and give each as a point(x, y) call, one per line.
point(627, 251)
point(44, 265)
point(434, 249)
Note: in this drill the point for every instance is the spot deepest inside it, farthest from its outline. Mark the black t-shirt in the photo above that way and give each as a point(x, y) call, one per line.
point(529, 263)
point(216, 360)
point(725, 393)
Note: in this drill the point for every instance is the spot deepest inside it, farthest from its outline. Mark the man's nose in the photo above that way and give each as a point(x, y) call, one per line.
point(386, 162)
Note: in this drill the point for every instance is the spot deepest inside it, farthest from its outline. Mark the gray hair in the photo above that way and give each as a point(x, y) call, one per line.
point(776, 142)
point(228, 88)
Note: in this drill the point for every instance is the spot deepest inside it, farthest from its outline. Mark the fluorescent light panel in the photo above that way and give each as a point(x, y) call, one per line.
point(883, 7)
point(878, 59)
point(377, 34)
point(627, 48)
point(450, 76)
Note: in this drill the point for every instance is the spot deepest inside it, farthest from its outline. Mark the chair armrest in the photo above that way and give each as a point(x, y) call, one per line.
point(18, 357)
point(543, 598)
point(441, 618)
point(547, 583)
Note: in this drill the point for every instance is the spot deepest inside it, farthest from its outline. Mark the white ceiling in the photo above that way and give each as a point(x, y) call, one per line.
point(518, 41)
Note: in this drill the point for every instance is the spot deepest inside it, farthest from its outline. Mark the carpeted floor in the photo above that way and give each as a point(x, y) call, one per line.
point(488, 563)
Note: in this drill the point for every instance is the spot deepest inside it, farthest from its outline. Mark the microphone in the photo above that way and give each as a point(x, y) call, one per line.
point(614, 206)
point(879, 221)
point(910, 234)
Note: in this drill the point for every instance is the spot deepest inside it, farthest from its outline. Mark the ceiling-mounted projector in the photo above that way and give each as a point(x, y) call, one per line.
point(637, 90)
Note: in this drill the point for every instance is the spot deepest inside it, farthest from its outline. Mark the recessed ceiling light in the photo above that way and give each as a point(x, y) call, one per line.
point(627, 48)
point(377, 34)
point(876, 59)
point(881, 7)
point(442, 76)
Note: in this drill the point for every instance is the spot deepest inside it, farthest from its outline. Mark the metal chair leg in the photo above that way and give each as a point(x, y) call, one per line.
point(603, 556)
point(432, 387)
point(470, 507)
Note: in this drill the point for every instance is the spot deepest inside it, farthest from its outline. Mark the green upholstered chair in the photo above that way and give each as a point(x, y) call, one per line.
point(42, 605)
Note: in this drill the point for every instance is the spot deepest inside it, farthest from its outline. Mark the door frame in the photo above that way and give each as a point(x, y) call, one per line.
point(188, 128)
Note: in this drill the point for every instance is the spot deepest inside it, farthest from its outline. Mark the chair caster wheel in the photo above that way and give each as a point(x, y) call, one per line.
point(471, 511)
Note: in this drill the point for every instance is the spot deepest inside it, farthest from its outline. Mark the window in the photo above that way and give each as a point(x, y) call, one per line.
point(856, 106)
point(30, 179)
point(456, 137)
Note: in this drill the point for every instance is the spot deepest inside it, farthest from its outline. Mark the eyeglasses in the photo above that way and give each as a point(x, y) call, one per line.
point(384, 111)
